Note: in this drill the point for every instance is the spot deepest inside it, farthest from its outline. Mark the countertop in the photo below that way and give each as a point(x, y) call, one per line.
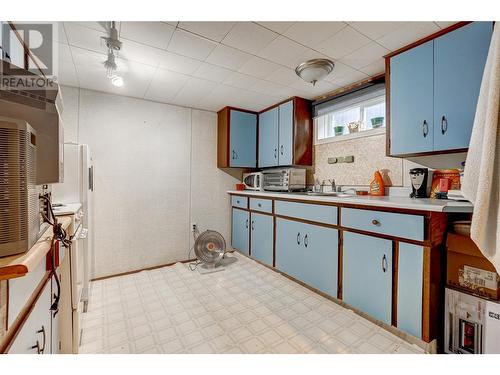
point(21, 264)
point(67, 209)
point(422, 204)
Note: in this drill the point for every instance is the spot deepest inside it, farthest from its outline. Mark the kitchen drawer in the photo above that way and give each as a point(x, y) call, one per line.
point(306, 211)
point(264, 205)
point(237, 201)
point(392, 224)
point(21, 289)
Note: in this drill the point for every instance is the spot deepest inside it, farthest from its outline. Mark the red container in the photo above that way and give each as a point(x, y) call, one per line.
point(240, 186)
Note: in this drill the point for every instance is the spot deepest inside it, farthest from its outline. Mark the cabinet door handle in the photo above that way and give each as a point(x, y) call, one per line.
point(281, 150)
point(233, 155)
point(237, 202)
point(376, 222)
point(246, 224)
point(306, 240)
point(37, 347)
point(298, 238)
point(425, 128)
point(275, 153)
point(42, 331)
point(444, 124)
point(259, 205)
point(384, 263)
point(253, 225)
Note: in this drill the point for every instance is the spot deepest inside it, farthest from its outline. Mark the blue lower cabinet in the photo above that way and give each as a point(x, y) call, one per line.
point(262, 237)
point(240, 230)
point(367, 275)
point(308, 253)
point(410, 279)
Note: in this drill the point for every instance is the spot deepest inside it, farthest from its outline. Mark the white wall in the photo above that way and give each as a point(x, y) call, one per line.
point(155, 173)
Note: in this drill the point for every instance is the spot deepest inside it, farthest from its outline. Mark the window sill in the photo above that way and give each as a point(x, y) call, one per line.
point(346, 137)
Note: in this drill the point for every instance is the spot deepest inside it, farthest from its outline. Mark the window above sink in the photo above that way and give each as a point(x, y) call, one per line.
point(355, 115)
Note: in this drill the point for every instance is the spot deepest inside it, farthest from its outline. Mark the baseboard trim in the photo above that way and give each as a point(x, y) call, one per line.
point(140, 270)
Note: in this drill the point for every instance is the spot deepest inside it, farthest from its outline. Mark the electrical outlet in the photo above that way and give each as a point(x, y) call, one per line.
point(341, 159)
point(194, 227)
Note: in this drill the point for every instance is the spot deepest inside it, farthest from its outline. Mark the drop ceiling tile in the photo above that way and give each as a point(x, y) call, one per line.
point(190, 45)
point(141, 53)
point(277, 26)
point(193, 92)
point(365, 55)
point(228, 57)
point(84, 37)
point(178, 63)
point(376, 29)
point(239, 80)
point(376, 67)
point(86, 57)
point(173, 23)
point(269, 88)
point(212, 72)
point(407, 34)
point(165, 85)
point(343, 43)
point(249, 37)
point(258, 67)
point(312, 33)
point(101, 26)
point(212, 30)
point(283, 76)
point(155, 34)
point(444, 24)
point(340, 70)
point(348, 79)
point(282, 51)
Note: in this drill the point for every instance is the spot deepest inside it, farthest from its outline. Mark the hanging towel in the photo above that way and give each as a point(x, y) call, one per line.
point(481, 183)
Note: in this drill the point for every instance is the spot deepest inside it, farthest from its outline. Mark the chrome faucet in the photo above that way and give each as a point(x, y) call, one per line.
point(332, 182)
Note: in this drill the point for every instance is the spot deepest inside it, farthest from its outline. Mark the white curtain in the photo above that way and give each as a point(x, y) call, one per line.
point(482, 167)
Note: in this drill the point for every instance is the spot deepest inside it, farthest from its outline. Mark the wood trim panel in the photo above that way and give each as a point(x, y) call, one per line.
point(356, 86)
point(15, 328)
point(426, 288)
point(223, 138)
point(302, 132)
point(340, 267)
point(395, 282)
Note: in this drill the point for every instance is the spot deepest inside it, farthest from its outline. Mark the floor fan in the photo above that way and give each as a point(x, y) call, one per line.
point(210, 249)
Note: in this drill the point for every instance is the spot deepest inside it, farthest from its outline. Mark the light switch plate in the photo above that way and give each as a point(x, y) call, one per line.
point(341, 159)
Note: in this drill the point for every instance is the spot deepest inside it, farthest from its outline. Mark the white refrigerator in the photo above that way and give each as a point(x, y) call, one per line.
point(78, 187)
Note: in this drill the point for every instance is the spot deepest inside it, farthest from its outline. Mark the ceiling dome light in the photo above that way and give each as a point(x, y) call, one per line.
point(117, 81)
point(314, 70)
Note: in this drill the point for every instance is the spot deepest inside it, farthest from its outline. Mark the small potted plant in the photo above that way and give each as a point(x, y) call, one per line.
point(354, 126)
point(377, 122)
point(339, 130)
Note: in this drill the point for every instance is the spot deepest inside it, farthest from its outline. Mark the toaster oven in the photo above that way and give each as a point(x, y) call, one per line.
point(284, 179)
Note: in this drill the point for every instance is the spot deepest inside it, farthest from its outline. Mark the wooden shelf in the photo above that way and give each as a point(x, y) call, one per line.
point(21, 264)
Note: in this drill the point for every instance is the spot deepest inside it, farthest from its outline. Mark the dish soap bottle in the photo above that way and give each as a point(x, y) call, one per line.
point(377, 186)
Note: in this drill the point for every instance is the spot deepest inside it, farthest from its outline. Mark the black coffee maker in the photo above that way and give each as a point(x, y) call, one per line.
point(418, 177)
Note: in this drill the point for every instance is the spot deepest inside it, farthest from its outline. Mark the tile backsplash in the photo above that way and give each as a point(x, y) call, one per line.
point(369, 156)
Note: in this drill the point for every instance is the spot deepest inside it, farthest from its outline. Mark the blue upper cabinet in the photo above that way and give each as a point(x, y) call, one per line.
point(434, 89)
point(268, 138)
point(243, 139)
point(236, 138)
point(411, 101)
point(459, 60)
point(286, 133)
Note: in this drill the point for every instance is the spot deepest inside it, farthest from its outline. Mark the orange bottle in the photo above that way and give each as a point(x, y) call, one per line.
point(377, 186)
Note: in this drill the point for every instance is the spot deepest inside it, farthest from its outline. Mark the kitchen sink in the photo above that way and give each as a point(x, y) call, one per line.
point(329, 194)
